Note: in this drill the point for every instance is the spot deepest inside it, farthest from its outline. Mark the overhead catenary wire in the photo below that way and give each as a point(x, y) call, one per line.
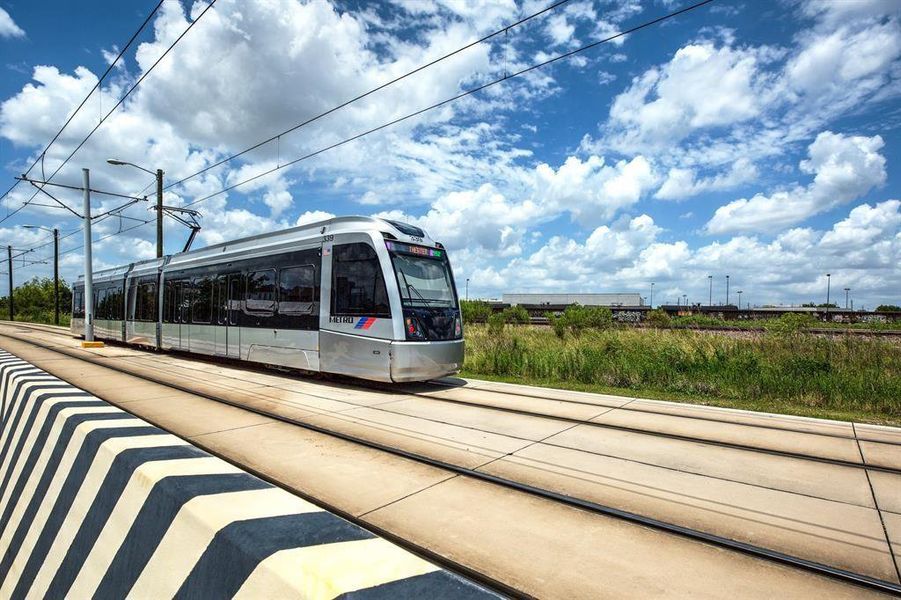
point(459, 96)
point(119, 103)
point(112, 65)
point(506, 77)
point(357, 98)
point(346, 103)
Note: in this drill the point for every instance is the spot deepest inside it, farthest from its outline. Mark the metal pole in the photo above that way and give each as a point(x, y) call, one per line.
point(828, 282)
point(846, 297)
point(56, 276)
point(467, 288)
point(710, 296)
point(727, 290)
point(9, 254)
point(88, 262)
point(159, 213)
point(652, 294)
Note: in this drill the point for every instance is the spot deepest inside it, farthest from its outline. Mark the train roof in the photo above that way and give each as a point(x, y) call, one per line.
point(274, 239)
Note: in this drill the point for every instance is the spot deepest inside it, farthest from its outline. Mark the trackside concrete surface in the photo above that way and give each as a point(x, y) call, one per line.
point(96, 503)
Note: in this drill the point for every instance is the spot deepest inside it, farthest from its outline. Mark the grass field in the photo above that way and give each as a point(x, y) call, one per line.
point(846, 378)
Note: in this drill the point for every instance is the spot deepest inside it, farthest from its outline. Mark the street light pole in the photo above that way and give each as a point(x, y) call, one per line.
point(846, 297)
point(739, 299)
point(828, 284)
point(467, 288)
point(159, 199)
point(710, 296)
point(652, 294)
point(727, 290)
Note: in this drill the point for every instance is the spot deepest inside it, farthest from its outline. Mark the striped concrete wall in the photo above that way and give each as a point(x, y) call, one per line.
point(95, 502)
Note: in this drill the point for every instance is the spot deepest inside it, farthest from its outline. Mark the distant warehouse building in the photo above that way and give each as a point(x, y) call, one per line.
point(567, 299)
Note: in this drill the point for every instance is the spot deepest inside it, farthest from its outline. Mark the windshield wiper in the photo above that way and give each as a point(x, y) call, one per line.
point(409, 287)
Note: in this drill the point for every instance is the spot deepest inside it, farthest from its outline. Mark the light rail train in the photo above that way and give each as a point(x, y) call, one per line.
point(358, 296)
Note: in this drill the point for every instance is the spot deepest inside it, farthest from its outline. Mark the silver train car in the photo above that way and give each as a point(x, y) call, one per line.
point(357, 296)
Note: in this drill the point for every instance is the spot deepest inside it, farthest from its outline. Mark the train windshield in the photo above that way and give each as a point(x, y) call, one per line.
point(425, 281)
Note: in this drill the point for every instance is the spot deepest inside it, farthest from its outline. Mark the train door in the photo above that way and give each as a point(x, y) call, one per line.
point(235, 297)
point(228, 334)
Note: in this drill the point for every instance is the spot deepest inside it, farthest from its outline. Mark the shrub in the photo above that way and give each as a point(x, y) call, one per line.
point(475, 311)
point(791, 323)
point(658, 318)
point(557, 323)
point(496, 323)
point(517, 314)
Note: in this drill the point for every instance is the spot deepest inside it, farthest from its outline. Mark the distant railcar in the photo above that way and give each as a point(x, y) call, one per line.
point(357, 296)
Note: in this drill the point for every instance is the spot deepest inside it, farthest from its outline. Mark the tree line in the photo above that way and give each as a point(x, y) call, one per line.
point(33, 301)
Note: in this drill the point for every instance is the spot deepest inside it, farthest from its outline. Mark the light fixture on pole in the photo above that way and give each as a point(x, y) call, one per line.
point(159, 199)
point(55, 233)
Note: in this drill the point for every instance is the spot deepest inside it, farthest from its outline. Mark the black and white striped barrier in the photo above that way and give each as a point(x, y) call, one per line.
point(96, 503)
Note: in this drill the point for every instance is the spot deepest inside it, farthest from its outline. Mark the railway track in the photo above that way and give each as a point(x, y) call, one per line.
point(411, 390)
point(540, 492)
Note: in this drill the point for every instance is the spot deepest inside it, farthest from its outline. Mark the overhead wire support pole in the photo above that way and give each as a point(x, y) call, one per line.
point(159, 213)
point(55, 276)
point(88, 262)
point(9, 254)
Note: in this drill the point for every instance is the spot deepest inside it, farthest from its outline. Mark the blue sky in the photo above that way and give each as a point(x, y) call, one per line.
point(755, 139)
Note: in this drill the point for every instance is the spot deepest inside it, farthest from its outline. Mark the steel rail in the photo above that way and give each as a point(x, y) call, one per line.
point(497, 586)
point(587, 505)
point(625, 407)
point(366, 385)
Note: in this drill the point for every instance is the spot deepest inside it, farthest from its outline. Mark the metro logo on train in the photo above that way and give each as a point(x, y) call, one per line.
point(286, 298)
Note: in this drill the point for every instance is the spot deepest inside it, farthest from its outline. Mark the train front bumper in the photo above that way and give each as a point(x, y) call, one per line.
point(420, 361)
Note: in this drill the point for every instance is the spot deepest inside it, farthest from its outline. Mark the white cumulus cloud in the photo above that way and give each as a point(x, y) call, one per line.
point(8, 27)
point(844, 168)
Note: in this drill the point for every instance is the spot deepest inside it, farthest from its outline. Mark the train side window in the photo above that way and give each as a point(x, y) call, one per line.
point(184, 302)
point(203, 299)
point(78, 304)
point(235, 296)
point(222, 300)
point(133, 303)
point(147, 302)
point(168, 302)
point(260, 296)
point(118, 303)
point(358, 287)
point(102, 304)
point(297, 287)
